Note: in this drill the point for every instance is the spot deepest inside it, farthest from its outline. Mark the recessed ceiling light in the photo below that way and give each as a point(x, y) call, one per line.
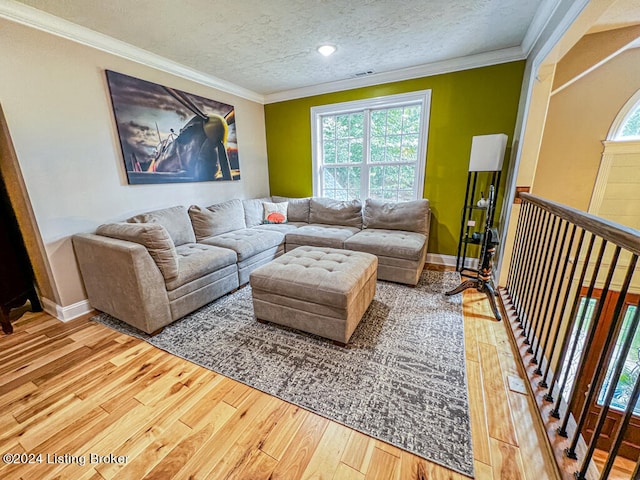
point(326, 50)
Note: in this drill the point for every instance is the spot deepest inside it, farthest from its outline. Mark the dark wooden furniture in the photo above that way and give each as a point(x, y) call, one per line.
point(16, 274)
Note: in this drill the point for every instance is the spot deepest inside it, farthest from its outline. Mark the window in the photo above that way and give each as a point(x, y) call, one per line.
point(626, 126)
point(371, 148)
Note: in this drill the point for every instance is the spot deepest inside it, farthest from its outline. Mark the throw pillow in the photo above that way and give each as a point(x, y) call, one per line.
point(275, 212)
point(174, 219)
point(154, 237)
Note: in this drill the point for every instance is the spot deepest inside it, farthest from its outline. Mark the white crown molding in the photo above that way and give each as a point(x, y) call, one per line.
point(67, 313)
point(32, 17)
point(538, 24)
point(454, 65)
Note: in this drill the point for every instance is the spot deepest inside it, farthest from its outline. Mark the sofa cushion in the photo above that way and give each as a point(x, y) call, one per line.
point(274, 212)
point(281, 227)
point(247, 242)
point(196, 260)
point(334, 212)
point(174, 219)
point(217, 219)
point(297, 210)
point(317, 235)
point(253, 211)
point(388, 243)
point(154, 237)
point(410, 216)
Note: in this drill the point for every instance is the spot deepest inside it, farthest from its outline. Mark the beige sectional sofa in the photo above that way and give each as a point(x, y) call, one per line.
point(157, 267)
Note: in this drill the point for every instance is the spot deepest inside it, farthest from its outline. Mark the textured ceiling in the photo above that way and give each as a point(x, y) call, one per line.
point(270, 46)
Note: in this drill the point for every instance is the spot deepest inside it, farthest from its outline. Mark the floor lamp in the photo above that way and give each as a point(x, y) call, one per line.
point(487, 155)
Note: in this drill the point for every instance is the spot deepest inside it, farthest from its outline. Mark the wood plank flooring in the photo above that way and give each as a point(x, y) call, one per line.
point(78, 388)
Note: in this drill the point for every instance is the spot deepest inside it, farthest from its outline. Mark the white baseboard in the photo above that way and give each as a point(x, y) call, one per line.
point(450, 260)
point(65, 313)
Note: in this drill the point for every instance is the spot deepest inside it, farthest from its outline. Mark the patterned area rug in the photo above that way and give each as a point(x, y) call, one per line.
point(401, 379)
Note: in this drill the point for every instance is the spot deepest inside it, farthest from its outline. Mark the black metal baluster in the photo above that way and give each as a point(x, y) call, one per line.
point(515, 254)
point(596, 379)
point(606, 358)
point(532, 214)
point(563, 350)
point(521, 246)
point(572, 322)
point(543, 382)
point(545, 316)
point(533, 263)
point(546, 272)
point(535, 292)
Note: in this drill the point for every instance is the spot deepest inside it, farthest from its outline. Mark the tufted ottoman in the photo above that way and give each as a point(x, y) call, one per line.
point(324, 291)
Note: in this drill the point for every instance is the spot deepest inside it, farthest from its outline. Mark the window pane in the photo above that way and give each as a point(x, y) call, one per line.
point(342, 126)
point(407, 177)
point(343, 151)
point(377, 149)
point(391, 177)
point(377, 194)
point(631, 127)
point(328, 128)
point(376, 179)
point(357, 123)
point(394, 143)
point(409, 148)
point(355, 151)
point(354, 183)
point(630, 371)
point(329, 182)
point(329, 151)
point(586, 312)
point(394, 121)
point(411, 119)
point(342, 177)
point(379, 123)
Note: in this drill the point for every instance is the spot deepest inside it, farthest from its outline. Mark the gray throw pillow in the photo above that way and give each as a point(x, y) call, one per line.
point(217, 219)
point(298, 209)
point(335, 212)
point(253, 211)
point(154, 237)
point(174, 219)
point(409, 216)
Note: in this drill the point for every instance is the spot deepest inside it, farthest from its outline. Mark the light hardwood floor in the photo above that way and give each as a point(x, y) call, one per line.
point(79, 388)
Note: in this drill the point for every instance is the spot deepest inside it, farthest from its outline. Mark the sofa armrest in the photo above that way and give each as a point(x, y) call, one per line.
point(123, 280)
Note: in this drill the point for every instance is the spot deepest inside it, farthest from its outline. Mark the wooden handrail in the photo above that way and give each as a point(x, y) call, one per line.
point(625, 237)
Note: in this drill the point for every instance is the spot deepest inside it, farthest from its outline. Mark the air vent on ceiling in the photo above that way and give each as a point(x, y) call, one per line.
point(363, 74)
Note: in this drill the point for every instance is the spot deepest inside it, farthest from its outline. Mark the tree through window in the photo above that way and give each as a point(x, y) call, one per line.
point(371, 148)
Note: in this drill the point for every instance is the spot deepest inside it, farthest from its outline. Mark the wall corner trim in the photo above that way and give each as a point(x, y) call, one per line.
point(67, 313)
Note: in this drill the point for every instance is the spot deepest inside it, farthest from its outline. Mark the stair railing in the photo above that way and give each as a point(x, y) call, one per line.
point(566, 298)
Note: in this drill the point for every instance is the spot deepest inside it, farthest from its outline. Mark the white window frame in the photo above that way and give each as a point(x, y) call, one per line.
point(422, 97)
point(629, 108)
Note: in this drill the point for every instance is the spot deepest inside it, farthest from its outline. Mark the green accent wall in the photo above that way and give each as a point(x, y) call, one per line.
point(473, 102)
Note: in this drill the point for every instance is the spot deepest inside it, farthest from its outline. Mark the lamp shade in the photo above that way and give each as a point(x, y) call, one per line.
point(487, 152)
